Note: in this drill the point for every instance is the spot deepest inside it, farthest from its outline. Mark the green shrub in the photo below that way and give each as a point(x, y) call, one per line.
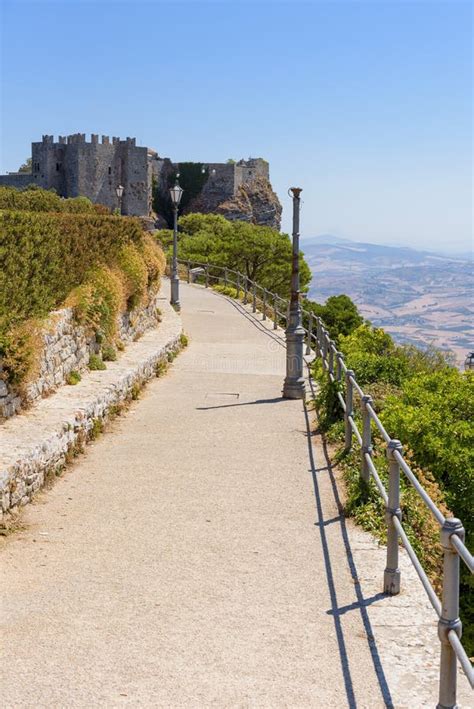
point(109, 353)
point(96, 363)
point(98, 301)
point(73, 378)
point(35, 199)
point(135, 273)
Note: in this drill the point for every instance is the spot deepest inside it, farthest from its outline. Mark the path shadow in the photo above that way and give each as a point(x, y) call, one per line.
point(251, 317)
point(276, 400)
point(361, 603)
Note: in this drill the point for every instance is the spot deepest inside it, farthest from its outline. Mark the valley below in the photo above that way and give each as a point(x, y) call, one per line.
point(420, 298)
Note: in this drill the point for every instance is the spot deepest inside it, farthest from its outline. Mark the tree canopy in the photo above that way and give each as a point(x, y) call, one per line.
point(261, 253)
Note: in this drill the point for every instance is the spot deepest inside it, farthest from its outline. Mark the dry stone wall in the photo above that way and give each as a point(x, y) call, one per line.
point(66, 348)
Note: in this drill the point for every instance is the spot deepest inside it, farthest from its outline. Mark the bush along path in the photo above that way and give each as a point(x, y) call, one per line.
point(197, 556)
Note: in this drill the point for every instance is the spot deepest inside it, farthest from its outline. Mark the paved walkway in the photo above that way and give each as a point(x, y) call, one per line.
point(185, 560)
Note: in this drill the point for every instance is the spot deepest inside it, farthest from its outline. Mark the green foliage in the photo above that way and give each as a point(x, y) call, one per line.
point(339, 314)
point(96, 363)
point(19, 346)
point(44, 256)
point(434, 416)
point(73, 378)
point(95, 263)
point(135, 271)
point(109, 353)
point(35, 199)
point(429, 406)
point(98, 301)
point(260, 253)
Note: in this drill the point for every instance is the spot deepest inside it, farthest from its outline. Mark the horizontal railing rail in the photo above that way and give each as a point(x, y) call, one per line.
point(452, 531)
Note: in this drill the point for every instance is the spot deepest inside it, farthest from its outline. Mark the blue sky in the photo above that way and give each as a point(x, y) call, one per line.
point(366, 105)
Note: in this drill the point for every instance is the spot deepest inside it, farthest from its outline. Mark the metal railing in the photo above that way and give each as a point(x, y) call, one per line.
point(451, 529)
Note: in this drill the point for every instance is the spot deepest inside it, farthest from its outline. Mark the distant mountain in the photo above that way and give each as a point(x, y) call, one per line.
point(370, 255)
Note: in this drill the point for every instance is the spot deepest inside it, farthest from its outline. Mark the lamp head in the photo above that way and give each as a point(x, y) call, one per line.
point(295, 192)
point(176, 193)
point(119, 191)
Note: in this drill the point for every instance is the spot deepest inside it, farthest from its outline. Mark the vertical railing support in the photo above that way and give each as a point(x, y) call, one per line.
point(324, 346)
point(449, 614)
point(275, 311)
point(391, 576)
point(318, 336)
point(310, 333)
point(189, 271)
point(254, 298)
point(339, 358)
point(225, 277)
point(366, 438)
point(349, 412)
point(238, 286)
point(330, 357)
point(207, 275)
point(264, 304)
point(246, 287)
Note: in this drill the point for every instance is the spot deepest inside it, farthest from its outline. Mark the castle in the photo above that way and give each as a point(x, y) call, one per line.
point(72, 166)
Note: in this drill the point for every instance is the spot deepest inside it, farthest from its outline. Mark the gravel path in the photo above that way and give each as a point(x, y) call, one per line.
point(185, 560)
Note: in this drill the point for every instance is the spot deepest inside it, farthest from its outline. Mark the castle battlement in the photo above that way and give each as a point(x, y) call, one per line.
point(77, 138)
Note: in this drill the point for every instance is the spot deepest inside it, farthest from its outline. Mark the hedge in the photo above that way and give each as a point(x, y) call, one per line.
point(35, 199)
point(45, 255)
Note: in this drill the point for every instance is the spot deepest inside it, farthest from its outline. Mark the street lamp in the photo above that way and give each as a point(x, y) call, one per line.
point(119, 193)
point(176, 193)
point(294, 386)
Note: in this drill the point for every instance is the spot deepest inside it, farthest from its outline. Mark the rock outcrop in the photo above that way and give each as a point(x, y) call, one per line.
point(255, 202)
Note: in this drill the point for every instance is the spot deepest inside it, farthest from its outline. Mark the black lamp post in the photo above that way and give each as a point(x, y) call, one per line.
point(176, 193)
point(469, 361)
point(294, 386)
point(119, 193)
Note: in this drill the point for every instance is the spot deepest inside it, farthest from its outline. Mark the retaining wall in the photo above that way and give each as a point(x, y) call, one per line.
point(39, 443)
point(66, 348)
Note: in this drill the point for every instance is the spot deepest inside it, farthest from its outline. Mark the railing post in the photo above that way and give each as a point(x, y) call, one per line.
point(310, 333)
point(366, 438)
point(264, 304)
point(207, 275)
point(288, 312)
point(238, 286)
point(189, 271)
point(275, 311)
point(391, 575)
point(225, 277)
point(330, 357)
point(449, 614)
point(318, 336)
point(254, 298)
point(324, 346)
point(349, 412)
point(339, 358)
point(246, 285)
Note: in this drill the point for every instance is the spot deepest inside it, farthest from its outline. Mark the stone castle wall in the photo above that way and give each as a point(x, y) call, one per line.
point(66, 348)
point(73, 167)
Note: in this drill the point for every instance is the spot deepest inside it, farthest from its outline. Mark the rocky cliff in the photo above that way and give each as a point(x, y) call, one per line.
point(255, 202)
point(219, 188)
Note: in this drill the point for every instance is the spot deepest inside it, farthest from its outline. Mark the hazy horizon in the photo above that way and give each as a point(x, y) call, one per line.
point(367, 106)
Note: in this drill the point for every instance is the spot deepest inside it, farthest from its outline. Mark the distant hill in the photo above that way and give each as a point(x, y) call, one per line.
point(420, 297)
